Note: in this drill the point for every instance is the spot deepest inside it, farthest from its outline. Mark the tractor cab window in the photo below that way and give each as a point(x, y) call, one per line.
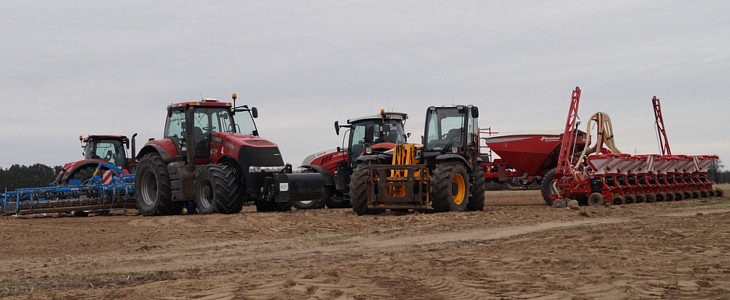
point(244, 122)
point(357, 138)
point(207, 120)
point(393, 133)
point(175, 125)
point(109, 150)
point(444, 129)
point(367, 133)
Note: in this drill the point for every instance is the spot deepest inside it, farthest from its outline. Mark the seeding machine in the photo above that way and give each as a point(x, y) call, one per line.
point(601, 174)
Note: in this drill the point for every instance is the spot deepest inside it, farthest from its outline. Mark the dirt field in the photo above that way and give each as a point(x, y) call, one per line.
point(516, 248)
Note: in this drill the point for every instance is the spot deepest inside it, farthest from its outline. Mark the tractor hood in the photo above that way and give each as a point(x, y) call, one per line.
point(249, 150)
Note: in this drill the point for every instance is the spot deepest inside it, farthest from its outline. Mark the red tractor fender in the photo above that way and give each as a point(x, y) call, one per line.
point(164, 147)
point(328, 160)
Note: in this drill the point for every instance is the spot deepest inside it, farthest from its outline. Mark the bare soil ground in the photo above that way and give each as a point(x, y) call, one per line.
point(516, 248)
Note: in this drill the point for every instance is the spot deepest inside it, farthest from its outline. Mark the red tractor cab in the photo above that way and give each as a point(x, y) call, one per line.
point(98, 149)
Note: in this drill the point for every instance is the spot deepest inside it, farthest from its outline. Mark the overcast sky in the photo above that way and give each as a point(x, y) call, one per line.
point(73, 68)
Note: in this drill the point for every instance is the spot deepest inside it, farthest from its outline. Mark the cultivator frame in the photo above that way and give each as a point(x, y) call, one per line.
point(610, 177)
point(106, 189)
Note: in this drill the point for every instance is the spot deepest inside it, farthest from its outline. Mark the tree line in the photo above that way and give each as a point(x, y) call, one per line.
point(18, 176)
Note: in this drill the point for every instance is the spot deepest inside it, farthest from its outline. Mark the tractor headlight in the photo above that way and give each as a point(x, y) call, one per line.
point(454, 149)
point(257, 169)
point(368, 150)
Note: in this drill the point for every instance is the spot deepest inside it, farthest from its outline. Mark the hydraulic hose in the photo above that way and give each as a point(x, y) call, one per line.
point(604, 133)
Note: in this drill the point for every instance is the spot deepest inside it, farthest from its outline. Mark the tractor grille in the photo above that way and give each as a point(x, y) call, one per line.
point(264, 157)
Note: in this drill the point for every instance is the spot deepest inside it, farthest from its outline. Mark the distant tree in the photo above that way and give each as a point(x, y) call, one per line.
point(17, 176)
point(716, 174)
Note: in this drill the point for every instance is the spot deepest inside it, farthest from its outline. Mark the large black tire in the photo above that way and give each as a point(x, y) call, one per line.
point(358, 190)
point(449, 186)
point(477, 191)
point(336, 202)
point(152, 188)
point(216, 190)
point(546, 188)
point(83, 173)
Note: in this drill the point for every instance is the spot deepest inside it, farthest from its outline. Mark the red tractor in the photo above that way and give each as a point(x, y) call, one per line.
point(379, 133)
point(211, 153)
point(98, 149)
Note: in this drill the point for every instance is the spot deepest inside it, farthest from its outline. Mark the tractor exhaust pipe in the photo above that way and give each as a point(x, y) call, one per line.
point(134, 151)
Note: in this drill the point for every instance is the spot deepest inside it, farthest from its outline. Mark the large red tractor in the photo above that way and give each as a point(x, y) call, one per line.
point(211, 153)
point(98, 150)
point(379, 133)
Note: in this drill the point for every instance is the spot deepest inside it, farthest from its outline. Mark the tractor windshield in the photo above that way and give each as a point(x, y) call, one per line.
point(370, 132)
point(444, 128)
point(109, 150)
point(244, 122)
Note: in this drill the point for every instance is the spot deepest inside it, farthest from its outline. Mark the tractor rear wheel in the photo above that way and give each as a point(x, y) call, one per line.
point(477, 190)
point(449, 187)
point(216, 190)
point(546, 188)
point(359, 190)
point(152, 183)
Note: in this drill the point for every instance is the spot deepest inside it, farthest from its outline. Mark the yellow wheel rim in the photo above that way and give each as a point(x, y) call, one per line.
point(458, 197)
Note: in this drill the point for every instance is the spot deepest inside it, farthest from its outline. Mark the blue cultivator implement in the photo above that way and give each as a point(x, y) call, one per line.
point(108, 188)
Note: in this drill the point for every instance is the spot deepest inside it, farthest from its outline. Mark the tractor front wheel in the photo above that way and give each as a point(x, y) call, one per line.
point(449, 187)
point(152, 183)
point(216, 190)
point(359, 190)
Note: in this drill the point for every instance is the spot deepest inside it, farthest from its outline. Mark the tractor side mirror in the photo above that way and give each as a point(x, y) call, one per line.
point(254, 112)
point(475, 112)
point(337, 127)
